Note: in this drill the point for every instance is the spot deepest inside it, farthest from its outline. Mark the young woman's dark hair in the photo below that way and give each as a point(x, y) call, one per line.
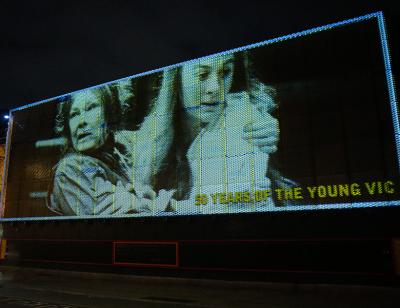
point(175, 172)
point(175, 169)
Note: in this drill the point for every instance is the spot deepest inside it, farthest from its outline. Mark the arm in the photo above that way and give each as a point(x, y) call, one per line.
point(263, 132)
point(84, 186)
point(148, 146)
point(154, 137)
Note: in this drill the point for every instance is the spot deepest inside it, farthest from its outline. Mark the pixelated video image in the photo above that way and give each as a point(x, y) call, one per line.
point(298, 123)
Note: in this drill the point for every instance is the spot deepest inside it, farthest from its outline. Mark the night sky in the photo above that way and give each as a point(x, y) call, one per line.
point(49, 48)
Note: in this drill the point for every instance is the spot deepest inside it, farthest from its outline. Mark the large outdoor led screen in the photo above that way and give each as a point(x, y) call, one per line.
point(303, 122)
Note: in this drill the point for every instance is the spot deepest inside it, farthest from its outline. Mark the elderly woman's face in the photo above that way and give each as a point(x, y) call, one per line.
point(87, 122)
point(204, 86)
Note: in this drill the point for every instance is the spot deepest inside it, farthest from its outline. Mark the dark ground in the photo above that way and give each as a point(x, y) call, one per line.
point(25, 287)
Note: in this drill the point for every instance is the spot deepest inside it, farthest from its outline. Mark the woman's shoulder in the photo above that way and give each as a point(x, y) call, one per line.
point(73, 158)
point(77, 163)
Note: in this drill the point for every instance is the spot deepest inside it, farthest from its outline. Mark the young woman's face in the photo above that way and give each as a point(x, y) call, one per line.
point(204, 86)
point(87, 122)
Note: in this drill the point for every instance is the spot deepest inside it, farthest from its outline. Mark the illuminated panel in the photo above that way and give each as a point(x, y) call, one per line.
point(306, 121)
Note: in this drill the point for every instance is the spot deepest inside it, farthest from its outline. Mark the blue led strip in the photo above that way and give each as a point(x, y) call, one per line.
point(329, 206)
point(267, 42)
point(5, 169)
point(390, 81)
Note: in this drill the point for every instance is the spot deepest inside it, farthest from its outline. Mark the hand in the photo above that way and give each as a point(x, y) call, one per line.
point(147, 201)
point(165, 202)
point(122, 201)
point(263, 132)
point(144, 191)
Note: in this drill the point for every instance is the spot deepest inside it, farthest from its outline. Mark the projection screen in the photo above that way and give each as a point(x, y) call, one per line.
point(306, 121)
